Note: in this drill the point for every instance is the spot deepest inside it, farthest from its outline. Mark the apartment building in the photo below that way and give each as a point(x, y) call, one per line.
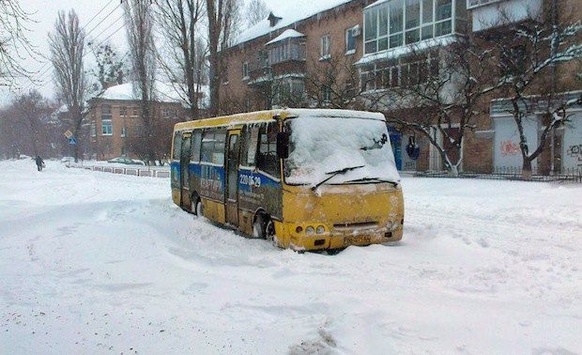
point(558, 85)
point(361, 54)
point(117, 128)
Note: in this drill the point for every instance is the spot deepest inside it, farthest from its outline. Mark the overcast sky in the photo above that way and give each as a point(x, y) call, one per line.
point(102, 20)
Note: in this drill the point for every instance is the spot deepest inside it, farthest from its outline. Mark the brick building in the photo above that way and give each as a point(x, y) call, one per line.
point(358, 54)
point(116, 125)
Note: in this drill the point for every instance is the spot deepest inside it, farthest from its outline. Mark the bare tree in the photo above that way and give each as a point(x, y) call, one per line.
point(528, 53)
point(222, 17)
point(336, 84)
point(140, 25)
point(255, 11)
point(447, 90)
point(13, 42)
point(67, 45)
point(25, 126)
point(184, 60)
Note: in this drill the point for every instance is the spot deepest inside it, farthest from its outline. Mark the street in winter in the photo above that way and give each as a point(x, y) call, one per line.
point(410, 173)
point(94, 262)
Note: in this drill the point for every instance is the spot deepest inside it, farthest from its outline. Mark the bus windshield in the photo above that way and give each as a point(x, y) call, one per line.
point(339, 150)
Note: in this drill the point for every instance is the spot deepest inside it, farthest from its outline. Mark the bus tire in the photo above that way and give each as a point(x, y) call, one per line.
point(263, 228)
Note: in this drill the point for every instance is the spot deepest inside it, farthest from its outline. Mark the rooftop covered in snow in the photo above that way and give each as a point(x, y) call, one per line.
point(164, 93)
point(289, 33)
point(287, 13)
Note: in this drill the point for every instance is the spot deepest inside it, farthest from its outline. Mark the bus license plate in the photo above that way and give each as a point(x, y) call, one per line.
point(358, 239)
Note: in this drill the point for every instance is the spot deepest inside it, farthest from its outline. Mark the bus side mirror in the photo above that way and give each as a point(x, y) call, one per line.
point(283, 145)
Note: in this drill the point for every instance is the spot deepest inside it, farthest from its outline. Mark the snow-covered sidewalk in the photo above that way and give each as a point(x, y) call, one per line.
point(98, 263)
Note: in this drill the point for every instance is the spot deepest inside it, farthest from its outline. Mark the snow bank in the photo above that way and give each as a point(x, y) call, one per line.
point(102, 263)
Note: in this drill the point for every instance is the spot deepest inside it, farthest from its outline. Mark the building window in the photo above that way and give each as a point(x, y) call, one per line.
point(225, 77)
point(123, 111)
point(106, 123)
point(325, 51)
point(93, 129)
point(134, 111)
point(169, 113)
point(106, 128)
point(396, 23)
point(326, 94)
point(245, 70)
point(106, 112)
point(287, 50)
point(123, 131)
point(289, 92)
point(351, 34)
point(394, 74)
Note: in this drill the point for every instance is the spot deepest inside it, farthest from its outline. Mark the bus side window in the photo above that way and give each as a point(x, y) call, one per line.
point(177, 145)
point(219, 147)
point(213, 142)
point(207, 146)
point(250, 141)
point(267, 158)
point(196, 146)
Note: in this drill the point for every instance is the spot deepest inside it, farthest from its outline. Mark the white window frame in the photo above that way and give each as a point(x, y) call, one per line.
point(376, 40)
point(471, 4)
point(350, 34)
point(325, 47)
point(107, 123)
point(245, 70)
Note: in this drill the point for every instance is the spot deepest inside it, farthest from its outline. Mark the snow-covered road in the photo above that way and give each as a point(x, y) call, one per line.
point(95, 262)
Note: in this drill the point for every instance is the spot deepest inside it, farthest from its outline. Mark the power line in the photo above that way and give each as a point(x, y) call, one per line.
point(44, 70)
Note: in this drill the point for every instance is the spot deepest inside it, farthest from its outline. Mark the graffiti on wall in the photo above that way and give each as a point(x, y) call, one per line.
point(509, 148)
point(575, 152)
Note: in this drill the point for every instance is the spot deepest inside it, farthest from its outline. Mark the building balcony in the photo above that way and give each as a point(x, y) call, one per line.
point(488, 14)
point(262, 74)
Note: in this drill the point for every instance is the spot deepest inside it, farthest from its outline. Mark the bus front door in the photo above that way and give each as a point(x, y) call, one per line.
point(232, 178)
point(185, 170)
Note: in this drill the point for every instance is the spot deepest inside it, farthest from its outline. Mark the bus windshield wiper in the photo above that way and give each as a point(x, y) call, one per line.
point(393, 183)
point(335, 173)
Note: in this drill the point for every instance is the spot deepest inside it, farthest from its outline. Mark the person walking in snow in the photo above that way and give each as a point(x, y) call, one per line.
point(39, 163)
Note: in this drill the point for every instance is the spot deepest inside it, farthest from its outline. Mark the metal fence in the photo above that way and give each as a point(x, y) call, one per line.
point(134, 171)
point(499, 173)
point(573, 175)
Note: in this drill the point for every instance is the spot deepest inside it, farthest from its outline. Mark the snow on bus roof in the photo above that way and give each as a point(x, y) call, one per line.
point(263, 116)
point(334, 113)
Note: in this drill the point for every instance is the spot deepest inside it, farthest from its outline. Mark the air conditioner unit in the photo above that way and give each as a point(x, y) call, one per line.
point(356, 30)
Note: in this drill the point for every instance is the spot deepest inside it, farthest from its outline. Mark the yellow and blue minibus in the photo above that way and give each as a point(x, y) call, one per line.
point(305, 179)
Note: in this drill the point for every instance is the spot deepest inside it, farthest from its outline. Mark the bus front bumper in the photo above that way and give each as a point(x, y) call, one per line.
point(340, 240)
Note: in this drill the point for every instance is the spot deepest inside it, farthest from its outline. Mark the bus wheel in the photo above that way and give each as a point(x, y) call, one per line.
point(263, 228)
point(270, 231)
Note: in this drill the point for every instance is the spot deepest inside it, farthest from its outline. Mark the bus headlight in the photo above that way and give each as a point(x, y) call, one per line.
point(392, 225)
point(310, 230)
point(320, 230)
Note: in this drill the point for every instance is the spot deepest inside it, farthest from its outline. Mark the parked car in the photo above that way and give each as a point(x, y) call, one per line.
point(126, 160)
